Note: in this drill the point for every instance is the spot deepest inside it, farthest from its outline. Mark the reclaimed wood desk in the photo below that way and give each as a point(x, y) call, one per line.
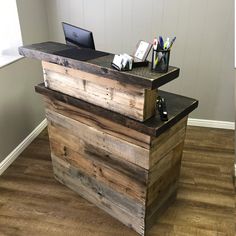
point(126, 163)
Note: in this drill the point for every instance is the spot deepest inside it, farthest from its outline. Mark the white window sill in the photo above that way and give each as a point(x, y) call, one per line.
point(6, 59)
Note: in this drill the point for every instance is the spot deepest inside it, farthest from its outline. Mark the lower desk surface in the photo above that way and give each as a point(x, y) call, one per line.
point(177, 106)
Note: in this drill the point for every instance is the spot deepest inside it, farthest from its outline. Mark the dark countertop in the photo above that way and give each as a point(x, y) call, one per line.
point(96, 62)
point(178, 107)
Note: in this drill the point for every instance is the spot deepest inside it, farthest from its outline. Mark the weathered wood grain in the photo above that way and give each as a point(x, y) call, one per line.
point(153, 188)
point(172, 158)
point(52, 52)
point(120, 177)
point(121, 208)
point(108, 160)
point(178, 108)
point(168, 178)
point(150, 97)
point(100, 123)
point(159, 207)
point(144, 170)
point(71, 145)
point(166, 142)
point(163, 184)
point(155, 144)
point(132, 101)
point(83, 75)
point(91, 136)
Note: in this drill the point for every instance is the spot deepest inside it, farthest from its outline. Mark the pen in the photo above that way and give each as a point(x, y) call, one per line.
point(172, 42)
point(161, 42)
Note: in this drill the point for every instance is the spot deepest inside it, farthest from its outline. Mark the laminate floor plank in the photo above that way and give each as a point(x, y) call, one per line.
point(32, 202)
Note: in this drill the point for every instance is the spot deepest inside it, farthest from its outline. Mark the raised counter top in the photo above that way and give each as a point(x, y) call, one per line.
point(100, 64)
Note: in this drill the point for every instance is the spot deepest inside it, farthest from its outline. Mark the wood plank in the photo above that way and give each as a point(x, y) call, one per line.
point(157, 141)
point(118, 147)
point(117, 175)
point(159, 208)
point(184, 230)
point(222, 144)
point(128, 103)
point(203, 217)
point(167, 162)
point(163, 176)
point(52, 52)
point(163, 185)
point(100, 123)
point(83, 75)
point(159, 189)
point(178, 108)
point(150, 98)
point(163, 182)
point(132, 101)
point(169, 141)
point(212, 197)
point(121, 208)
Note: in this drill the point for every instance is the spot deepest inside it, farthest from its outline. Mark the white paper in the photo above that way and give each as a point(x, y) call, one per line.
point(143, 46)
point(118, 61)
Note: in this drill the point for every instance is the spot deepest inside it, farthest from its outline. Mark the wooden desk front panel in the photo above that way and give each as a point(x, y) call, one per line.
point(134, 183)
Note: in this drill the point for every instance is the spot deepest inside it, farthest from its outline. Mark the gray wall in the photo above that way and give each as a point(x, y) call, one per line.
point(21, 109)
point(203, 50)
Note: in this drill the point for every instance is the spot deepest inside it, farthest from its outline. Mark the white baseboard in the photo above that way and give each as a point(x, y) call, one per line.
point(21, 147)
point(211, 123)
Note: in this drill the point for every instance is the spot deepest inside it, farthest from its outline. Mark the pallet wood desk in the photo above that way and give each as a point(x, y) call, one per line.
point(127, 167)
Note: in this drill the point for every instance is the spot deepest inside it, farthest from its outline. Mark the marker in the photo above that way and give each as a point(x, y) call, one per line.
point(167, 44)
point(156, 62)
point(155, 43)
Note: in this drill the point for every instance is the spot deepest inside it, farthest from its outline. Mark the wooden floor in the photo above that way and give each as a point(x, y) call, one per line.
point(32, 202)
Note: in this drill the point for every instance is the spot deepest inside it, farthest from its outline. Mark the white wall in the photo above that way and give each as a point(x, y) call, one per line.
point(21, 110)
point(203, 50)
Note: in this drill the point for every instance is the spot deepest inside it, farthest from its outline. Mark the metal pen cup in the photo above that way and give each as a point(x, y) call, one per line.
point(160, 60)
